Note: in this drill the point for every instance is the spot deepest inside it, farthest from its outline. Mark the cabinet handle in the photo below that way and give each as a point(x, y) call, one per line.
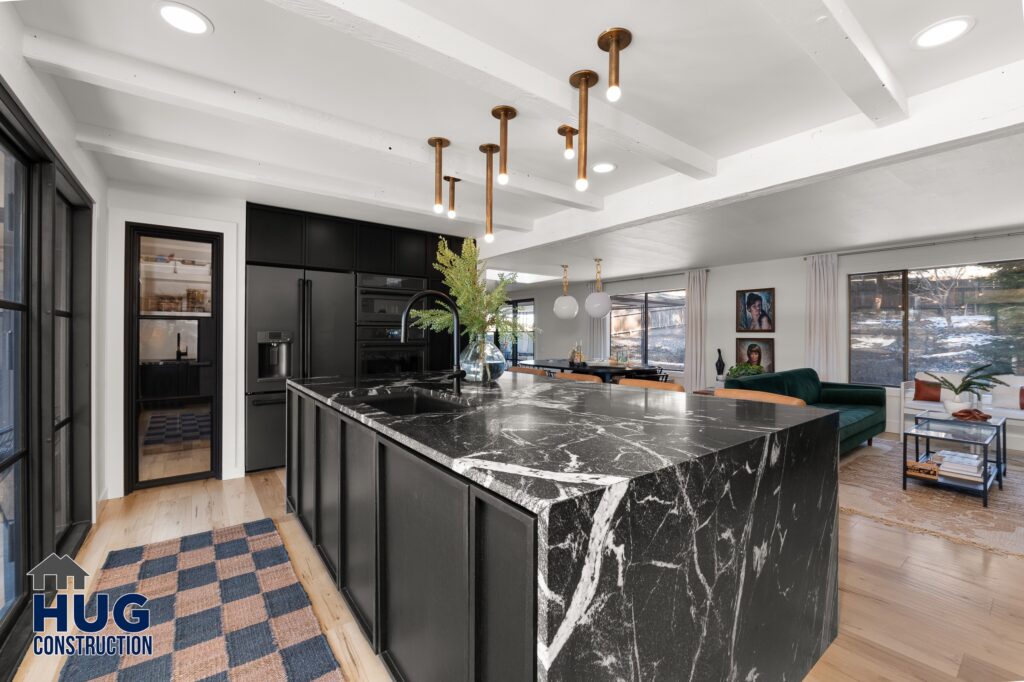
point(302, 327)
point(309, 328)
point(262, 403)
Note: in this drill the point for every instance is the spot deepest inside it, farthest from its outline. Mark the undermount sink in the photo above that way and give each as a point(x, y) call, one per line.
point(412, 402)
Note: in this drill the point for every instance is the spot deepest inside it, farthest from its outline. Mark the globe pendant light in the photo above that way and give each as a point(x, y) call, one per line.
point(598, 303)
point(566, 306)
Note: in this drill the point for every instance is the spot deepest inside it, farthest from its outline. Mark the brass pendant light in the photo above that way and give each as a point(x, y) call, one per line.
point(567, 132)
point(438, 143)
point(489, 150)
point(613, 41)
point(583, 81)
point(451, 195)
point(503, 113)
point(566, 307)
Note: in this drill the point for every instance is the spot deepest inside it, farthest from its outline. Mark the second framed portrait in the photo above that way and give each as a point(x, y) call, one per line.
point(756, 352)
point(755, 310)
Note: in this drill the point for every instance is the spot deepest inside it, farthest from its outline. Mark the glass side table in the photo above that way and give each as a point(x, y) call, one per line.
point(980, 434)
point(998, 423)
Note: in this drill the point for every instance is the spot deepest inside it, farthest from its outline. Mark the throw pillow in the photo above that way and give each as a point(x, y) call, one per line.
point(930, 391)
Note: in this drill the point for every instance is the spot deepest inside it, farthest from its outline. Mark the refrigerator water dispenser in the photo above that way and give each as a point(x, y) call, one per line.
point(274, 355)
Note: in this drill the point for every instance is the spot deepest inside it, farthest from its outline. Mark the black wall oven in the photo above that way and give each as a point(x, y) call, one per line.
point(381, 298)
point(379, 351)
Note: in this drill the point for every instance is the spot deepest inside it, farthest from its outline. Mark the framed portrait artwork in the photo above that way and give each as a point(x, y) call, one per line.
point(756, 352)
point(755, 310)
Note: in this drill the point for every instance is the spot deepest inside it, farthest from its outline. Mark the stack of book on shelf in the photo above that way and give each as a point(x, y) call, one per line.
point(923, 469)
point(959, 467)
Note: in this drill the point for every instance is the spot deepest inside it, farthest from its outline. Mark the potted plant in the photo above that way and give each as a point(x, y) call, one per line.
point(744, 369)
point(480, 312)
point(974, 383)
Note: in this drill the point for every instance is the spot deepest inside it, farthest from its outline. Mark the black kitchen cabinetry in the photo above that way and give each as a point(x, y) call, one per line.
point(425, 571)
point(277, 236)
point(330, 243)
point(274, 236)
point(440, 573)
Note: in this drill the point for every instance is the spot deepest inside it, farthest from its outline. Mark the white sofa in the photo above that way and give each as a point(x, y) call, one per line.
point(1003, 401)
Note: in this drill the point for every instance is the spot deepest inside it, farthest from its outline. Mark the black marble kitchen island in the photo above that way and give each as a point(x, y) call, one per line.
point(632, 534)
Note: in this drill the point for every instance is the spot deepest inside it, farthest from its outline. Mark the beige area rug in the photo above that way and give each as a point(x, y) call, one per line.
point(870, 485)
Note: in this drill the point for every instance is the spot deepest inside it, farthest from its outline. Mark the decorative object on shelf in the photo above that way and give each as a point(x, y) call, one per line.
point(598, 303)
point(480, 312)
point(744, 369)
point(755, 310)
point(566, 306)
point(756, 352)
point(438, 143)
point(451, 195)
point(489, 150)
point(582, 80)
point(975, 382)
point(567, 132)
point(719, 366)
point(613, 41)
point(504, 113)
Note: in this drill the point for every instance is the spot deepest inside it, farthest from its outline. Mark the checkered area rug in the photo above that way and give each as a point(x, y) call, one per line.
point(176, 428)
point(223, 605)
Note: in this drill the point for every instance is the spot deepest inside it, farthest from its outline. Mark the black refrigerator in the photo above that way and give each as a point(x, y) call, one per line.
point(298, 324)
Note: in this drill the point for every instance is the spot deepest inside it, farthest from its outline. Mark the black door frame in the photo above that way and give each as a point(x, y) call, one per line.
point(48, 175)
point(133, 233)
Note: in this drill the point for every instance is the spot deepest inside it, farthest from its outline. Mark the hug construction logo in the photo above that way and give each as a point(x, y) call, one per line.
point(90, 619)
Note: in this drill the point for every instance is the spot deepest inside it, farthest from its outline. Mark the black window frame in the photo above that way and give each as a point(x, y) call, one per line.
point(515, 342)
point(905, 306)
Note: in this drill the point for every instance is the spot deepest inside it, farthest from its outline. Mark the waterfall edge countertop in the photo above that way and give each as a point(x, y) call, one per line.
point(678, 536)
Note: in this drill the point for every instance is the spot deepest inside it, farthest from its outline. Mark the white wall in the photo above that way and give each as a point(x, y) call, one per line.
point(40, 97)
point(156, 207)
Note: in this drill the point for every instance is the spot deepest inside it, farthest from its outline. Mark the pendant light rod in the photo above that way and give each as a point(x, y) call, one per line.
point(565, 280)
point(451, 195)
point(567, 132)
point(598, 285)
point(489, 150)
point(582, 80)
point(438, 143)
point(504, 113)
point(613, 41)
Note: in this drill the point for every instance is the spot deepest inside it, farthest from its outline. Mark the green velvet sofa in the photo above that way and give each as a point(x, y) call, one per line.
point(861, 408)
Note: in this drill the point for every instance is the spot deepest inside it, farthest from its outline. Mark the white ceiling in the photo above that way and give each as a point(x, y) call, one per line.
point(720, 75)
point(973, 189)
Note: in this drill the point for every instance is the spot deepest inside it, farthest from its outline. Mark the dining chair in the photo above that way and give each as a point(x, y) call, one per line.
point(572, 376)
point(652, 383)
point(528, 370)
point(758, 396)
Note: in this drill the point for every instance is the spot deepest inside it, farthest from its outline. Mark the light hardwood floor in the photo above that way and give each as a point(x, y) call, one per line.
point(912, 606)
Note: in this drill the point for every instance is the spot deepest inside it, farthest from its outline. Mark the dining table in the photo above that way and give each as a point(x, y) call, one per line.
point(608, 372)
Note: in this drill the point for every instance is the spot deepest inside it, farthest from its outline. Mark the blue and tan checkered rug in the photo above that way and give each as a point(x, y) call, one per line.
point(224, 605)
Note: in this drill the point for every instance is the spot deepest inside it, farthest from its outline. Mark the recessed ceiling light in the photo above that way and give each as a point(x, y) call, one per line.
point(943, 32)
point(604, 167)
point(184, 18)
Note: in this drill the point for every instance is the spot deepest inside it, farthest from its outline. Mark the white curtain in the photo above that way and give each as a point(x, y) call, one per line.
point(696, 329)
point(822, 319)
point(599, 333)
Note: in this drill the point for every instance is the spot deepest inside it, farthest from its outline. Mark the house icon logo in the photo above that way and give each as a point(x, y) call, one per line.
point(61, 568)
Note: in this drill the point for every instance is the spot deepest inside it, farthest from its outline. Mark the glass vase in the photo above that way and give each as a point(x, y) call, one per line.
point(482, 360)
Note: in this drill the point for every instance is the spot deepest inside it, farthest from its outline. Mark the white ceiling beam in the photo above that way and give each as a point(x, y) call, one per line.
point(831, 36)
point(424, 40)
point(191, 159)
point(87, 64)
point(985, 106)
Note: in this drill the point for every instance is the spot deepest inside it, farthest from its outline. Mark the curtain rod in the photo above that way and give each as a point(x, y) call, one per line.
point(937, 242)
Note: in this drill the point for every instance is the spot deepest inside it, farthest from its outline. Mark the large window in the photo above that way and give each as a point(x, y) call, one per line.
point(518, 349)
point(936, 320)
point(650, 328)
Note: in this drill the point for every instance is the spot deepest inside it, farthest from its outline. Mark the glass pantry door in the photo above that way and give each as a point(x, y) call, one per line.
point(176, 356)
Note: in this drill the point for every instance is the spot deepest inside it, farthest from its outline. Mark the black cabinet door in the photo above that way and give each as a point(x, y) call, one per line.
point(503, 578)
point(331, 301)
point(294, 438)
point(359, 526)
point(375, 249)
point(424, 535)
point(411, 253)
point(329, 480)
point(274, 236)
point(307, 466)
point(265, 445)
point(330, 243)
